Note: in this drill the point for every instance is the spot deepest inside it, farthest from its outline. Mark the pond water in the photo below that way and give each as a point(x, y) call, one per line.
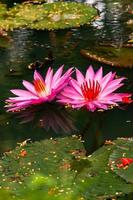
point(46, 121)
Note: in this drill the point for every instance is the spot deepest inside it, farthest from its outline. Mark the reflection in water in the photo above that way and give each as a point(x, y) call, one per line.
point(19, 49)
point(100, 6)
point(92, 132)
point(29, 46)
point(111, 23)
point(49, 116)
point(113, 20)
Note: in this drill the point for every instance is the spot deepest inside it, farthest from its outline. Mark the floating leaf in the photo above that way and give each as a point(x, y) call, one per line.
point(51, 158)
point(57, 15)
point(124, 150)
point(120, 57)
point(63, 160)
point(98, 181)
point(3, 10)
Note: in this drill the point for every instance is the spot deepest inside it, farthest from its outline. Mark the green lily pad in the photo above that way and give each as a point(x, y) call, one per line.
point(63, 160)
point(57, 15)
point(119, 57)
point(125, 150)
point(99, 181)
point(50, 158)
point(3, 10)
point(35, 1)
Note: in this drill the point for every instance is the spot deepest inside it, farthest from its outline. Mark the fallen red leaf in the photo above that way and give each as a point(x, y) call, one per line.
point(124, 162)
point(23, 153)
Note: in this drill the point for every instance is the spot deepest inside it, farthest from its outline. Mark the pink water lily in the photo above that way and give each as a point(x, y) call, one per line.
point(40, 91)
point(94, 91)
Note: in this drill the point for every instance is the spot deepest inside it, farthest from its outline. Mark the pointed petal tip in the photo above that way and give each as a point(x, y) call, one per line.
point(62, 66)
point(36, 72)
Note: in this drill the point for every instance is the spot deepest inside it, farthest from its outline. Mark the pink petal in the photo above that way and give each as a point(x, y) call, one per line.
point(63, 100)
point(29, 86)
point(19, 106)
point(23, 93)
point(90, 106)
point(37, 76)
point(72, 92)
point(80, 77)
point(73, 83)
point(108, 91)
point(113, 85)
point(78, 105)
point(22, 98)
point(48, 80)
point(72, 102)
point(105, 80)
point(57, 75)
point(100, 105)
point(115, 82)
point(64, 79)
point(60, 87)
point(89, 74)
point(98, 75)
point(72, 95)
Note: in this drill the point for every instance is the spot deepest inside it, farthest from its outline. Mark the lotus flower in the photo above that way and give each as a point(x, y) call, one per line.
point(94, 91)
point(40, 91)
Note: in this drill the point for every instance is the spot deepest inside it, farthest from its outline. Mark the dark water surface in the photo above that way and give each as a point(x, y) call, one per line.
point(27, 46)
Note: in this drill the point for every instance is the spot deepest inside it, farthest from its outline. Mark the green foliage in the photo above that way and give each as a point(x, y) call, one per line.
point(125, 149)
point(48, 160)
point(3, 10)
point(58, 169)
point(99, 182)
point(57, 15)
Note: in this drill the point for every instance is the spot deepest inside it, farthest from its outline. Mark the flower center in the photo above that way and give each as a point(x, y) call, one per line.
point(40, 87)
point(91, 91)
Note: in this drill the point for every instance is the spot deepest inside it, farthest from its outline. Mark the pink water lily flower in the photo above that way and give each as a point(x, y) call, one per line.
point(94, 91)
point(40, 91)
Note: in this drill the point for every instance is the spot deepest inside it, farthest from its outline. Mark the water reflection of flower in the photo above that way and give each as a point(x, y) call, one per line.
point(49, 116)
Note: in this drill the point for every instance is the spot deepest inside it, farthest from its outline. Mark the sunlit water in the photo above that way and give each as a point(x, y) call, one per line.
point(45, 121)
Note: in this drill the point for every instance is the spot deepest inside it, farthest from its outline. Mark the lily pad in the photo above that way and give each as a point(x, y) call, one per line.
point(51, 158)
point(58, 15)
point(122, 151)
point(64, 160)
point(3, 10)
point(99, 182)
point(120, 57)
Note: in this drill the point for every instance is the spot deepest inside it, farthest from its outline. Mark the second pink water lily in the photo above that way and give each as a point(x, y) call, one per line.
point(93, 91)
point(40, 91)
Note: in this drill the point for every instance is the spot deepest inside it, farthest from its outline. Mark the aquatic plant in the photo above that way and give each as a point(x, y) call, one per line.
point(40, 91)
point(94, 91)
point(113, 56)
point(121, 160)
point(57, 168)
point(58, 15)
point(3, 10)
